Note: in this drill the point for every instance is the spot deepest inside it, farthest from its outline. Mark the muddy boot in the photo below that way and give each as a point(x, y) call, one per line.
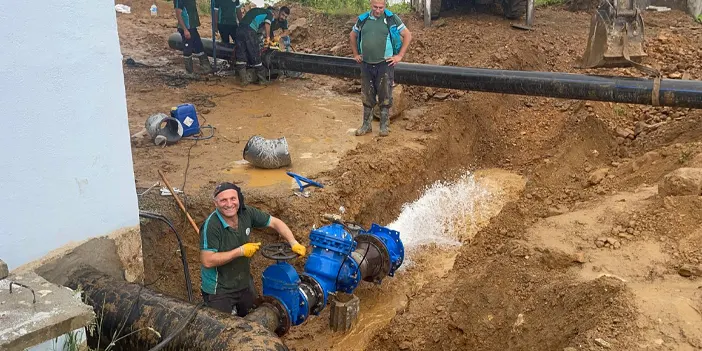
point(205, 65)
point(367, 116)
point(243, 77)
point(261, 75)
point(188, 64)
point(384, 121)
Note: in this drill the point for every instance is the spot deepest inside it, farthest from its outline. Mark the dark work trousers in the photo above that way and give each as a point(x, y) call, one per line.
point(377, 80)
point(247, 49)
point(227, 31)
point(192, 46)
point(243, 300)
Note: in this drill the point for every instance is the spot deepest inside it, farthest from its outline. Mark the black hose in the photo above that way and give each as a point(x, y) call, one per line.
point(180, 328)
point(183, 258)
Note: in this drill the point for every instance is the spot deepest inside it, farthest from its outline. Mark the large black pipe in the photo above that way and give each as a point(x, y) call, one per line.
point(130, 315)
point(663, 92)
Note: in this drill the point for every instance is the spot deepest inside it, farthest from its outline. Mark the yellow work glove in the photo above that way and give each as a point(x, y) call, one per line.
point(249, 249)
point(299, 249)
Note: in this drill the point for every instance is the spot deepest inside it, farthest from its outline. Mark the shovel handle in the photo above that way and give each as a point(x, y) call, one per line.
point(180, 204)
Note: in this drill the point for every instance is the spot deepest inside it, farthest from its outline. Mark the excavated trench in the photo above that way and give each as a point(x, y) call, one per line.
point(432, 198)
point(439, 197)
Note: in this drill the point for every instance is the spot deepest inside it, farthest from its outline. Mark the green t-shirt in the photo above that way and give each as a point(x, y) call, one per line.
point(189, 14)
point(227, 11)
point(376, 45)
point(217, 236)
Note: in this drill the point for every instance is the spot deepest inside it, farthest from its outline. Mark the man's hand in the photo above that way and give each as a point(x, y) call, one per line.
point(358, 58)
point(394, 60)
point(187, 34)
point(249, 249)
point(299, 249)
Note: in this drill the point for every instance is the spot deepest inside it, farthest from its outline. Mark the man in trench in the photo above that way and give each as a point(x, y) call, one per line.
point(377, 61)
point(226, 250)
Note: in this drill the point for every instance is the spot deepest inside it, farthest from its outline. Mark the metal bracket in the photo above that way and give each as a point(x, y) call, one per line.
point(300, 179)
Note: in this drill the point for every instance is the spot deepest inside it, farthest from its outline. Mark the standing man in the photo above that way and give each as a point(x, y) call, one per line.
point(188, 21)
point(248, 50)
point(225, 250)
point(228, 14)
point(375, 42)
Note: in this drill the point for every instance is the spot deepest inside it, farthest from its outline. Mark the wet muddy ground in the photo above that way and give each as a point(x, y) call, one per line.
point(525, 264)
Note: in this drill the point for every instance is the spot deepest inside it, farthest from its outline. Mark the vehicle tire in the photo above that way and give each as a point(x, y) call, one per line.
point(435, 9)
point(514, 9)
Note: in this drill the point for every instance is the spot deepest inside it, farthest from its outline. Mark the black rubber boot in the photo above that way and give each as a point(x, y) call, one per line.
point(243, 77)
point(205, 65)
point(188, 64)
point(367, 117)
point(261, 74)
point(384, 121)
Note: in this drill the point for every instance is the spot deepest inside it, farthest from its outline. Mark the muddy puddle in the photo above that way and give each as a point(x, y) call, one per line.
point(432, 228)
point(258, 177)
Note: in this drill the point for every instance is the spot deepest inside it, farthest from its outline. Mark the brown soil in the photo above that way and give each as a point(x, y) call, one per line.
point(533, 274)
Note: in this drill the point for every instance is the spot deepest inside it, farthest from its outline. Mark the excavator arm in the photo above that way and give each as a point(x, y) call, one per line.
point(616, 37)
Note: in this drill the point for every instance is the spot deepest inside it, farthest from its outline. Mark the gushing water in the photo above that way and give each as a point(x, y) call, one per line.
point(445, 214)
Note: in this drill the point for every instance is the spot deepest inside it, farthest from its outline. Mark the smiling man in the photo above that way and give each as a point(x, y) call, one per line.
point(225, 250)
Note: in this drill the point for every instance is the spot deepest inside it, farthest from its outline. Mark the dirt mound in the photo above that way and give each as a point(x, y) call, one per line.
point(498, 307)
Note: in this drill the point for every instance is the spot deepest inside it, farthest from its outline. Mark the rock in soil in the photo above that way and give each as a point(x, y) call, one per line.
point(603, 343)
point(682, 181)
point(688, 270)
point(597, 176)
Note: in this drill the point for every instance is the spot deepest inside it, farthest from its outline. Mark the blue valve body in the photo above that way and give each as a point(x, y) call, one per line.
point(329, 264)
point(282, 282)
point(391, 239)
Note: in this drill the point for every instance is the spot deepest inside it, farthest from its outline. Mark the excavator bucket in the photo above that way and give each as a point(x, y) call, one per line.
point(616, 36)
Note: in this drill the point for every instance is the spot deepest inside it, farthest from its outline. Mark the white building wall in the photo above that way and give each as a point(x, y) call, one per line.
point(66, 166)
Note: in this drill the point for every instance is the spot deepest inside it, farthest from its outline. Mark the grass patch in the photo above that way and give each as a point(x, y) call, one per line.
point(203, 7)
point(544, 3)
point(699, 18)
point(350, 7)
point(684, 157)
point(619, 110)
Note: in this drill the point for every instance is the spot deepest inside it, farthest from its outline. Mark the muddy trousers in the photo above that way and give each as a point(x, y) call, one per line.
point(193, 45)
point(247, 50)
point(242, 301)
point(376, 81)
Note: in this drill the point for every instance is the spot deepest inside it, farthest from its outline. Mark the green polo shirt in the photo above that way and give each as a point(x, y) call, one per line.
point(227, 11)
point(189, 14)
point(376, 45)
point(218, 236)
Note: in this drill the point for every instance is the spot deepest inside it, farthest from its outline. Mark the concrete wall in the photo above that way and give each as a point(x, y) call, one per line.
point(67, 170)
point(694, 7)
